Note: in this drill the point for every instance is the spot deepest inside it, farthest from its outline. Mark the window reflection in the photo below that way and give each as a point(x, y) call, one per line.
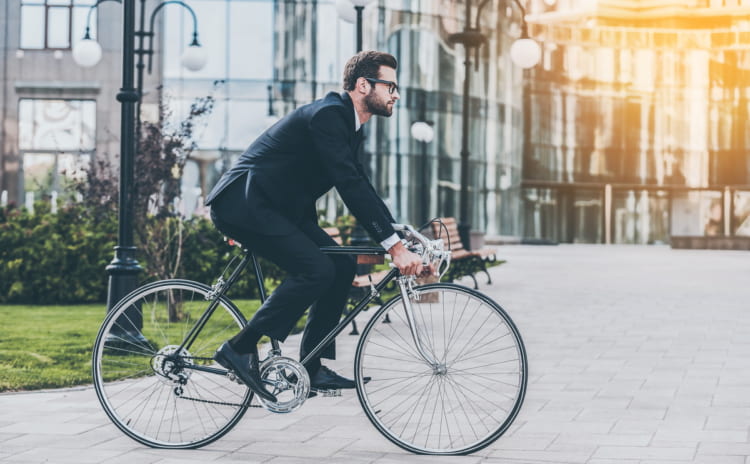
point(58, 27)
point(303, 60)
point(54, 24)
point(33, 26)
point(56, 138)
point(640, 217)
point(742, 213)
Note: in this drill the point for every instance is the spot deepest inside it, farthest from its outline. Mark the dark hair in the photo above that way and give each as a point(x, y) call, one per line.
point(366, 64)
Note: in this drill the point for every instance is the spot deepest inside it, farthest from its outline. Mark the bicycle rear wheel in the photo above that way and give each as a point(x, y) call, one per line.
point(152, 392)
point(464, 401)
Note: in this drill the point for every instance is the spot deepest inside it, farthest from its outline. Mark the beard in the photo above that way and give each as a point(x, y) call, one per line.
point(376, 107)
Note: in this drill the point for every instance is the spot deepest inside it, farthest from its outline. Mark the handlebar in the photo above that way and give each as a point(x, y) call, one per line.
point(431, 251)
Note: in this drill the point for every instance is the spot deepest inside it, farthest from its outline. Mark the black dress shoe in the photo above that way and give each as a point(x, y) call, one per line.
point(244, 366)
point(326, 379)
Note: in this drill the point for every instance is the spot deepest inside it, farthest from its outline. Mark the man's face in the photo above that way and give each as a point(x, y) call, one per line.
point(380, 101)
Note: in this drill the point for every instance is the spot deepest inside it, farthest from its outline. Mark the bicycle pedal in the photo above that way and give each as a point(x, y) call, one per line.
point(326, 393)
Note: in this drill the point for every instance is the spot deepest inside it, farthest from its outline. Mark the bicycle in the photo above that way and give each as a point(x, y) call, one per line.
point(446, 365)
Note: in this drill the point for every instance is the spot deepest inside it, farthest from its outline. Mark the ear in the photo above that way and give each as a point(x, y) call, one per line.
point(363, 85)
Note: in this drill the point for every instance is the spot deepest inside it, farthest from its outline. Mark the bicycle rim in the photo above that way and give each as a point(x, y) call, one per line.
point(148, 389)
point(468, 398)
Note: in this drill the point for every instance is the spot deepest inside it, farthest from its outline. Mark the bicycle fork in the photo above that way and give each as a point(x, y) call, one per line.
point(406, 287)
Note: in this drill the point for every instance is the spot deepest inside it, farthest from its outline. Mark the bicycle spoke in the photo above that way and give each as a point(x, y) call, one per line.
point(150, 389)
point(468, 397)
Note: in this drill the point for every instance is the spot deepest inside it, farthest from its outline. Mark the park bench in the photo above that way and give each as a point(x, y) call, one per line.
point(463, 262)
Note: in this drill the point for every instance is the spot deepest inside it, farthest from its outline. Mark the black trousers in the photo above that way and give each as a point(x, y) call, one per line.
point(314, 280)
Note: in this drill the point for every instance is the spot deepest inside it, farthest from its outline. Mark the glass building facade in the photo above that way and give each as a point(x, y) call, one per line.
point(272, 56)
point(638, 121)
point(632, 129)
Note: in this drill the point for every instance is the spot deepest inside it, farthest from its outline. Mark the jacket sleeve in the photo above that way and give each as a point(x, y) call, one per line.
point(333, 143)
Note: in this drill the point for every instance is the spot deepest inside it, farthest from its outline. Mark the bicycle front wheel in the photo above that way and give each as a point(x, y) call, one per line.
point(155, 392)
point(462, 399)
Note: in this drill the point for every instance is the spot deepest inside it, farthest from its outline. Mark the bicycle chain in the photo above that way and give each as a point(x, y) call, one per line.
point(178, 391)
point(220, 403)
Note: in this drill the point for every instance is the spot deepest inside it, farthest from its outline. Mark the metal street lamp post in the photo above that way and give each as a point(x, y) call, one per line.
point(124, 268)
point(344, 7)
point(525, 52)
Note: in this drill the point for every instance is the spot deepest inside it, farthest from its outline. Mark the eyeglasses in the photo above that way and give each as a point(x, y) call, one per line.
point(392, 86)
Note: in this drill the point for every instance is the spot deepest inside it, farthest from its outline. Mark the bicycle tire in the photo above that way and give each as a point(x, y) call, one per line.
point(465, 401)
point(152, 399)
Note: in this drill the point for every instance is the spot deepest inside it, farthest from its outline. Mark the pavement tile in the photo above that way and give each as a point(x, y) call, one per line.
point(354, 455)
point(415, 459)
point(725, 422)
point(724, 449)
point(315, 448)
point(604, 439)
point(701, 459)
point(64, 455)
point(542, 456)
point(646, 452)
point(700, 436)
point(49, 428)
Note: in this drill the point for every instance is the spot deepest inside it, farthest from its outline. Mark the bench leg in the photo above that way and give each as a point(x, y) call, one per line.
point(484, 269)
point(354, 328)
point(476, 284)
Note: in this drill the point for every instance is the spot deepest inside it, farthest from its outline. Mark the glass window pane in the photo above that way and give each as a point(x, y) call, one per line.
point(328, 67)
point(243, 130)
point(70, 167)
point(191, 189)
point(742, 213)
point(32, 27)
point(250, 50)
point(178, 33)
point(210, 132)
point(58, 2)
point(79, 24)
point(38, 172)
point(58, 28)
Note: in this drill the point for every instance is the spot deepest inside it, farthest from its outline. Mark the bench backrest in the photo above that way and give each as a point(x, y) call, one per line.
point(452, 226)
point(335, 234)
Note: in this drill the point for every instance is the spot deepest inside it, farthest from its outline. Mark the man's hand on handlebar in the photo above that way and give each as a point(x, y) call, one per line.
point(409, 263)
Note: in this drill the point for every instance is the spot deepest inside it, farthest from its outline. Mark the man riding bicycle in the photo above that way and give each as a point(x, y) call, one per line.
point(266, 201)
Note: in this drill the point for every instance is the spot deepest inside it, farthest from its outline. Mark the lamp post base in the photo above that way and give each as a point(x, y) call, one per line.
point(123, 278)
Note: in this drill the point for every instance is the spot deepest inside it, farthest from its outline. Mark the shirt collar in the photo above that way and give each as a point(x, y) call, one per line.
point(357, 124)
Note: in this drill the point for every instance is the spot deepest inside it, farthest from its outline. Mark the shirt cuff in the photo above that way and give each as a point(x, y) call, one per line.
point(390, 241)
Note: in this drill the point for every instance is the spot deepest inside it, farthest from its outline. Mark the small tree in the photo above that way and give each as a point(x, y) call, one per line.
point(163, 150)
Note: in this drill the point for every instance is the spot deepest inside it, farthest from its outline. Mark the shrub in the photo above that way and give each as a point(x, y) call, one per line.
point(60, 258)
point(53, 258)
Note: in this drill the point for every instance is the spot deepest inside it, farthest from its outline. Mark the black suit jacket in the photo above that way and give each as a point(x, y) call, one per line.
point(295, 162)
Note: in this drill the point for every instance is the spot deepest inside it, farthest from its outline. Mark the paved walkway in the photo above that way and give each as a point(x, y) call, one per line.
point(636, 355)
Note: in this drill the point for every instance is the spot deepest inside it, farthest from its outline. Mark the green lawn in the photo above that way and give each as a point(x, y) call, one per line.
point(50, 346)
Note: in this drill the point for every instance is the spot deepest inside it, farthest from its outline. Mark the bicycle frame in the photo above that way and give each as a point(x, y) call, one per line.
point(222, 286)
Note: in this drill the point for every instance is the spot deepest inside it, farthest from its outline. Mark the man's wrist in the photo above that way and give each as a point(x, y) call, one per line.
point(389, 242)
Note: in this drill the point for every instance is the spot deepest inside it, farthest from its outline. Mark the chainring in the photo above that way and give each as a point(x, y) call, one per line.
point(288, 380)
